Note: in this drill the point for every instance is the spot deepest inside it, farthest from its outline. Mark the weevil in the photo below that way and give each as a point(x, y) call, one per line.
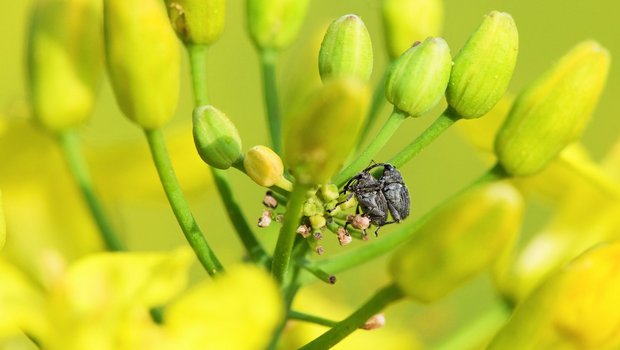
point(376, 198)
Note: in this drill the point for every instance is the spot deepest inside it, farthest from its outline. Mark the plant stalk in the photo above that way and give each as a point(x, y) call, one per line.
point(70, 146)
point(270, 92)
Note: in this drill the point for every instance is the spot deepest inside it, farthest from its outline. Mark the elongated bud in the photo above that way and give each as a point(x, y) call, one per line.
point(2, 224)
point(577, 308)
point(197, 22)
point(216, 137)
point(346, 50)
point(65, 61)
point(484, 66)
point(417, 80)
point(553, 111)
point(263, 166)
point(143, 60)
point(274, 24)
point(458, 242)
point(408, 21)
point(322, 136)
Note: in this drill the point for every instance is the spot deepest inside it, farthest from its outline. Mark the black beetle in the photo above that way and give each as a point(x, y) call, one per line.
point(378, 197)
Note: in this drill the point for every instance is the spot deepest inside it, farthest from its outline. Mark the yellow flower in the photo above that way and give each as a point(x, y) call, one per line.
point(577, 308)
point(102, 302)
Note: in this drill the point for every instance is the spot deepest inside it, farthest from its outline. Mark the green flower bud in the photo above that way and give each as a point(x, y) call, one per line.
point(408, 21)
point(263, 166)
point(553, 111)
point(484, 66)
point(329, 192)
point(322, 136)
point(274, 24)
point(577, 308)
point(143, 60)
point(216, 138)
point(346, 50)
point(312, 206)
point(2, 224)
point(65, 61)
point(317, 222)
point(458, 242)
point(197, 22)
point(417, 80)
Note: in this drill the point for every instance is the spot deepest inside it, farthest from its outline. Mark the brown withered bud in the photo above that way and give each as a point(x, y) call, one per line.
point(279, 218)
point(317, 235)
point(265, 219)
point(320, 250)
point(344, 237)
point(376, 321)
point(303, 230)
point(270, 201)
point(359, 222)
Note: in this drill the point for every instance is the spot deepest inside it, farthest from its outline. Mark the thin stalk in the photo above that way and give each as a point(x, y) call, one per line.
point(300, 316)
point(388, 242)
point(70, 146)
point(284, 246)
point(250, 242)
point(179, 205)
point(378, 99)
point(362, 161)
point(198, 65)
point(197, 57)
point(270, 93)
point(441, 124)
point(477, 332)
point(374, 305)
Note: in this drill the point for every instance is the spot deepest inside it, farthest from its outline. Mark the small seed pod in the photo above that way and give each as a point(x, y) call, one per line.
point(553, 111)
point(417, 80)
point(346, 50)
point(274, 24)
point(430, 265)
point(197, 22)
point(263, 166)
point(143, 60)
point(408, 21)
point(65, 61)
point(216, 137)
point(484, 66)
point(315, 144)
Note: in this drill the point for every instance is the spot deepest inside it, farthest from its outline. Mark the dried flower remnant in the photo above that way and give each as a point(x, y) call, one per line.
point(344, 238)
point(270, 201)
point(265, 219)
point(375, 322)
point(303, 230)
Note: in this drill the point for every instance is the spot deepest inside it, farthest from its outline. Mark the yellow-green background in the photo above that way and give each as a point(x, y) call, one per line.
point(547, 29)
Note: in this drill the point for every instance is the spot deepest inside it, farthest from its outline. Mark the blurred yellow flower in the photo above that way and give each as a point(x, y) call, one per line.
point(103, 301)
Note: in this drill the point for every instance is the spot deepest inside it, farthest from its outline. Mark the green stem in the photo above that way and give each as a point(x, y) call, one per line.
point(197, 57)
point(378, 98)
point(475, 333)
point(179, 205)
point(300, 316)
point(374, 305)
point(270, 92)
point(388, 242)
point(197, 61)
point(388, 129)
point(70, 145)
point(318, 273)
point(441, 124)
point(248, 239)
point(284, 246)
